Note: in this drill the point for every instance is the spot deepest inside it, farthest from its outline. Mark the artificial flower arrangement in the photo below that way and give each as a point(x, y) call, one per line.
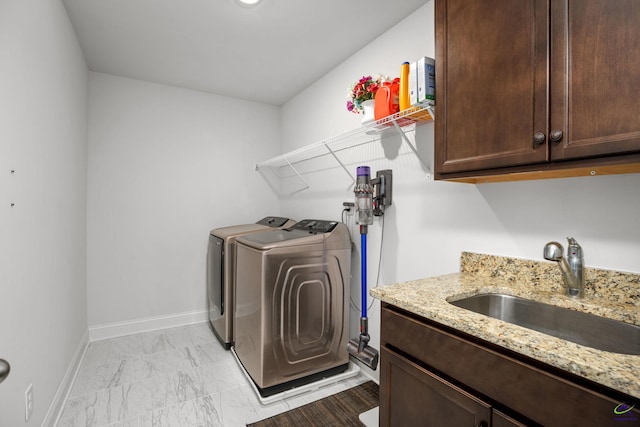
point(362, 90)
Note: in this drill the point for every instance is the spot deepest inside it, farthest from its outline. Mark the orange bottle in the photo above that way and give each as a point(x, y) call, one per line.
point(405, 101)
point(386, 100)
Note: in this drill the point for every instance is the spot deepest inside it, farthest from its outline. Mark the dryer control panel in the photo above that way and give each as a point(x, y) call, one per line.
point(273, 221)
point(315, 226)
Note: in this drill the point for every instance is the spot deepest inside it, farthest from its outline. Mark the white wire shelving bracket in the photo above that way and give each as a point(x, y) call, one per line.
point(291, 165)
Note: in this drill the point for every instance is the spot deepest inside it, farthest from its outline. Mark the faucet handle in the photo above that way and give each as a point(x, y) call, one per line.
point(574, 248)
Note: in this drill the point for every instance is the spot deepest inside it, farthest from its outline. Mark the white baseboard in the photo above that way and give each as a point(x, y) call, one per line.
point(370, 417)
point(118, 329)
point(55, 409)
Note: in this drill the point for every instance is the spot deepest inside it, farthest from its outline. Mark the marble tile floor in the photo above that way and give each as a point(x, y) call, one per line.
point(171, 378)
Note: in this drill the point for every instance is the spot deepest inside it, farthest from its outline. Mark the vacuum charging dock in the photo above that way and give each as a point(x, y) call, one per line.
point(372, 196)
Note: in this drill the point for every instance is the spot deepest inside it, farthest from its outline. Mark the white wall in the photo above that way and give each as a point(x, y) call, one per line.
point(43, 132)
point(431, 223)
point(166, 165)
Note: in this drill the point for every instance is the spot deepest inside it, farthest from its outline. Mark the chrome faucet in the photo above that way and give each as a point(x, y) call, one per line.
point(571, 266)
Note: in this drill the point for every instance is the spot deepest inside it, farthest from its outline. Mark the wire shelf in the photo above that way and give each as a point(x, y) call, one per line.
point(286, 173)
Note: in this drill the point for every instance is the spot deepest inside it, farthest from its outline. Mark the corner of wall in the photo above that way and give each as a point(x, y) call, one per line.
point(57, 404)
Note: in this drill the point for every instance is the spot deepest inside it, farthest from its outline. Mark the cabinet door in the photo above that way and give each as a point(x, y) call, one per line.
point(491, 83)
point(502, 420)
point(412, 396)
point(595, 72)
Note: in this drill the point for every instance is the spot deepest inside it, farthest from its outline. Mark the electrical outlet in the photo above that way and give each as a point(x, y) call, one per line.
point(348, 206)
point(28, 402)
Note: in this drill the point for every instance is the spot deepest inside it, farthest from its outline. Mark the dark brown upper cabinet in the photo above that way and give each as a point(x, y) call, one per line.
point(536, 89)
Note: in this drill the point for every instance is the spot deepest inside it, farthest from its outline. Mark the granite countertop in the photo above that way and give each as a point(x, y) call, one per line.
point(608, 293)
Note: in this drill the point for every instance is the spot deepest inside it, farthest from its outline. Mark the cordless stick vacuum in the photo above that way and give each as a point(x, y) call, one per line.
point(359, 347)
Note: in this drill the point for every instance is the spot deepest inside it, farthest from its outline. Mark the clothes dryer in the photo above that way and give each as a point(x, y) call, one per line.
point(220, 272)
point(292, 304)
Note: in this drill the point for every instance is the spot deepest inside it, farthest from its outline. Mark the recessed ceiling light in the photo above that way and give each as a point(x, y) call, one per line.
point(248, 3)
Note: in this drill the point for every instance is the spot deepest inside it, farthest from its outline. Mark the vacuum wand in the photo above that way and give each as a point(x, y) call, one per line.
point(363, 275)
point(359, 347)
point(364, 321)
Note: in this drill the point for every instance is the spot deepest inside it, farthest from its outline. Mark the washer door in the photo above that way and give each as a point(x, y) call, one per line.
point(308, 298)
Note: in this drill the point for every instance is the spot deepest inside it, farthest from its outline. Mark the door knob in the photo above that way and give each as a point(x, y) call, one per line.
point(538, 138)
point(555, 135)
point(4, 369)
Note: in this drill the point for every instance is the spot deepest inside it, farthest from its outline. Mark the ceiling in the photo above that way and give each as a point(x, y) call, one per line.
point(267, 53)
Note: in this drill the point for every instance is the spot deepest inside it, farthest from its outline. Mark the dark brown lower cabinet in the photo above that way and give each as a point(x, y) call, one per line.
point(413, 396)
point(501, 420)
point(434, 376)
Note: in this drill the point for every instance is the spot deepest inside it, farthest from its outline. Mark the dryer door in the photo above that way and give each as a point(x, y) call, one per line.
point(215, 277)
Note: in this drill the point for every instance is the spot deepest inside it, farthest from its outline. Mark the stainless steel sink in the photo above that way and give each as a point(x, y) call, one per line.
point(581, 328)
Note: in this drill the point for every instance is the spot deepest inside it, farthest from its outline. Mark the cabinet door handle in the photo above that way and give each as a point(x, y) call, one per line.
point(539, 138)
point(555, 135)
point(4, 369)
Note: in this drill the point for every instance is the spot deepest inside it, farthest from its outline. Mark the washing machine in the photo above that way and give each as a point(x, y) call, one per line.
point(220, 272)
point(292, 304)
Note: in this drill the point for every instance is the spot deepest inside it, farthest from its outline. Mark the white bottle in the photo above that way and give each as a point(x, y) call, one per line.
point(426, 79)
